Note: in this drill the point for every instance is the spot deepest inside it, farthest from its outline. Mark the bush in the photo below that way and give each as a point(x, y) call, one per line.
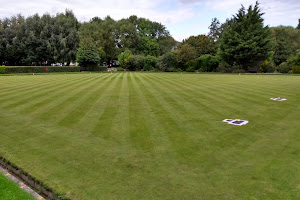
point(22, 69)
point(207, 62)
point(119, 69)
point(2, 69)
point(149, 63)
point(166, 62)
point(175, 70)
point(266, 67)
point(136, 62)
point(221, 68)
point(190, 69)
point(296, 69)
point(283, 68)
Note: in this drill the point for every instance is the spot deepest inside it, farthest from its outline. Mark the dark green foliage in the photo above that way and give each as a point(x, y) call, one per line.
point(215, 29)
point(136, 62)
point(39, 40)
point(296, 69)
point(294, 60)
point(96, 68)
point(287, 42)
point(190, 69)
point(207, 62)
point(184, 55)
point(246, 42)
point(149, 63)
point(203, 44)
point(166, 62)
point(267, 67)
point(37, 69)
point(120, 69)
point(88, 56)
point(2, 69)
point(283, 68)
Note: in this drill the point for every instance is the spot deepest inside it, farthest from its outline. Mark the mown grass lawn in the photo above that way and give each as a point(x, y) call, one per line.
point(11, 191)
point(155, 135)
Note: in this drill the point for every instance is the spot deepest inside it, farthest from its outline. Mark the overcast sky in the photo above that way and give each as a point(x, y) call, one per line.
point(182, 18)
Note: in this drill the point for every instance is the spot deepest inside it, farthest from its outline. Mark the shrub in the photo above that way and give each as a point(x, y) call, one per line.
point(296, 69)
point(266, 67)
point(2, 69)
point(221, 68)
point(166, 62)
point(43, 69)
point(136, 62)
point(175, 70)
point(149, 62)
point(119, 69)
point(207, 62)
point(190, 69)
point(283, 68)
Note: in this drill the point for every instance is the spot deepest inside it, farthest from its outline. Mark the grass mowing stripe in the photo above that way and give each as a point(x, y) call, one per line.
point(39, 106)
point(34, 95)
point(94, 114)
point(188, 158)
point(138, 130)
point(201, 98)
point(80, 110)
point(229, 102)
point(188, 111)
point(34, 105)
point(120, 123)
point(59, 110)
point(104, 123)
point(177, 134)
point(154, 126)
point(16, 92)
point(79, 101)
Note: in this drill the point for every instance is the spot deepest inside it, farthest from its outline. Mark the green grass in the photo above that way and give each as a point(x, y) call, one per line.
point(11, 191)
point(155, 135)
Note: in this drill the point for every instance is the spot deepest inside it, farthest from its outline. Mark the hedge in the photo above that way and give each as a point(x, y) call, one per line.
point(2, 69)
point(96, 68)
point(37, 69)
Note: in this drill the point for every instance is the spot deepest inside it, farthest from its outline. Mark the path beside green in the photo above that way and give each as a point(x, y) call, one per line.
point(154, 135)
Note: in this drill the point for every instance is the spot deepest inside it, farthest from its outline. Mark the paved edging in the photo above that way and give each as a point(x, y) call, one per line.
point(20, 183)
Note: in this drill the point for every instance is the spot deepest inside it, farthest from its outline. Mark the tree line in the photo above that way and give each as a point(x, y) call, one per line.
point(241, 44)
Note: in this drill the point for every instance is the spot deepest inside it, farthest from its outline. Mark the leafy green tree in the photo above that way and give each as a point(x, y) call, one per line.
point(294, 60)
point(184, 54)
point(215, 29)
point(124, 59)
point(287, 41)
point(88, 55)
point(246, 42)
point(203, 44)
